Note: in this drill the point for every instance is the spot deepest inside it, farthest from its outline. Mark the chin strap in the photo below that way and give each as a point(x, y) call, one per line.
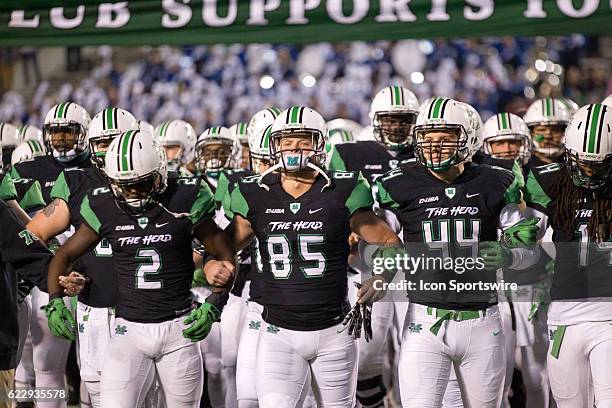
point(322, 173)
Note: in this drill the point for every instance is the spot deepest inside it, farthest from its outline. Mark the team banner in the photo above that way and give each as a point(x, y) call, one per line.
point(180, 22)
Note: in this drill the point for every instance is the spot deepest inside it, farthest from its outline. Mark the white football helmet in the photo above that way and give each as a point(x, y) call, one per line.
point(181, 134)
point(146, 126)
point(104, 127)
point(507, 127)
point(346, 124)
point(215, 150)
point(571, 106)
point(554, 115)
point(608, 100)
point(299, 121)
point(27, 150)
point(135, 164)
point(9, 140)
point(588, 143)
point(66, 118)
point(338, 136)
point(258, 132)
point(239, 133)
point(479, 125)
point(29, 132)
point(445, 115)
point(393, 114)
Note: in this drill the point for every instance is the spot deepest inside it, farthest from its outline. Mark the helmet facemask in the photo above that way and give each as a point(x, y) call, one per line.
point(509, 147)
point(66, 140)
point(214, 155)
point(293, 149)
point(548, 139)
point(138, 194)
point(394, 129)
point(589, 174)
point(174, 155)
point(440, 147)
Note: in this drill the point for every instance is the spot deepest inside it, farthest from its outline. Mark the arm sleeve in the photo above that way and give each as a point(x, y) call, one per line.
point(22, 250)
point(204, 206)
point(89, 216)
point(7, 188)
point(361, 196)
point(535, 196)
point(32, 199)
point(522, 258)
point(60, 188)
point(222, 190)
point(238, 204)
point(336, 162)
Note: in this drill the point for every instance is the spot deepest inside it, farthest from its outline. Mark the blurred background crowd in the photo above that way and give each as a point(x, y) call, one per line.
point(212, 85)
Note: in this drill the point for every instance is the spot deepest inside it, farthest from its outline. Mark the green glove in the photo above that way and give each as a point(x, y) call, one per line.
point(198, 278)
point(202, 318)
point(522, 234)
point(494, 255)
point(60, 320)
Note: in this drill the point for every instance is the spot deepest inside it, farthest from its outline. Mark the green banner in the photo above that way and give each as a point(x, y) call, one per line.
point(183, 22)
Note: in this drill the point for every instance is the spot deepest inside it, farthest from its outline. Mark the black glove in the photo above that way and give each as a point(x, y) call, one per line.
point(359, 318)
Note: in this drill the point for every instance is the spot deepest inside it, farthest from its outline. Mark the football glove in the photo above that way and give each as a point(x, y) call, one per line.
point(360, 317)
point(494, 255)
point(60, 320)
point(522, 234)
point(201, 321)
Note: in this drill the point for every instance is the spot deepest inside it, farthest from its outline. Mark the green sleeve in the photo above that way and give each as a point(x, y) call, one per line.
point(518, 173)
point(89, 216)
point(60, 188)
point(226, 204)
point(221, 191)
point(14, 174)
point(383, 197)
point(204, 205)
point(336, 162)
point(361, 196)
point(535, 194)
point(32, 198)
point(513, 194)
point(7, 188)
point(238, 204)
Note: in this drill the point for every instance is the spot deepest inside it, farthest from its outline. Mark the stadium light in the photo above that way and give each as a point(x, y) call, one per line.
point(266, 82)
point(417, 77)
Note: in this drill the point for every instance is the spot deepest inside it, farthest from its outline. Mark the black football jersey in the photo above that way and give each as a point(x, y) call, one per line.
point(369, 157)
point(443, 224)
point(152, 251)
point(303, 245)
point(7, 187)
point(29, 195)
point(582, 267)
point(44, 169)
point(72, 186)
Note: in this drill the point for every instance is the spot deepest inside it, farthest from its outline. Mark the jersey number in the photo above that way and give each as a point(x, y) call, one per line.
point(448, 231)
point(150, 264)
point(279, 250)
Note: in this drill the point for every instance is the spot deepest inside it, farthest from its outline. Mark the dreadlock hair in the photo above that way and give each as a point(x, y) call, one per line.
point(569, 197)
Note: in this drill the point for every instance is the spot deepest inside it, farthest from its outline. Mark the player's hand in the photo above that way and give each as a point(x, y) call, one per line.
point(60, 320)
point(368, 293)
point(353, 239)
point(522, 234)
point(73, 284)
point(201, 321)
point(218, 273)
point(494, 255)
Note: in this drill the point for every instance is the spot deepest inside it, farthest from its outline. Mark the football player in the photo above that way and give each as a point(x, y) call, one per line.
point(94, 311)
point(507, 137)
point(301, 217)
point(607, 101)
point(29, 132)
point(546, 119)
point(393, 114)
point(149, 221)
point(239, 132)
point(450, 207)
point(258, 131)
point(575, 198)
point(9, 138)
point(178, 139)
point(64, 132)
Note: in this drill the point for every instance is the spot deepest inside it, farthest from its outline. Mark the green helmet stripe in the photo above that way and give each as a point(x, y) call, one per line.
point(108, 119)
point(548, 104)
point(241, 128)
point(59, 112)
point(275, 111)
point(437, 105)
point(504, 120)
point(265, 142)
point(34, 147)
point(124, 151)
point(293, 114)
point(22, 130)
point(396, 95)
point(593, 127)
